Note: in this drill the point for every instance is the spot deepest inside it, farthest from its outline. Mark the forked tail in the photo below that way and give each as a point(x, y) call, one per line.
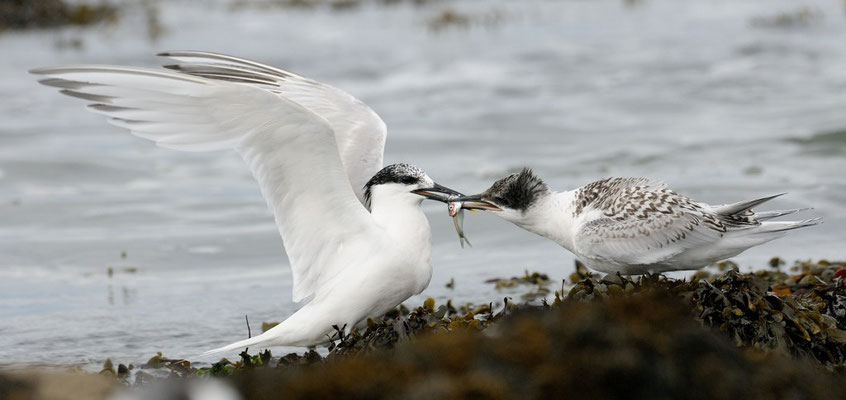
point(744, 209)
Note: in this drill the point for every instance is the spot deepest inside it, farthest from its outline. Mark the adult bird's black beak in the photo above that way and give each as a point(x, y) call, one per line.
point(438, 192)
point(475, 202)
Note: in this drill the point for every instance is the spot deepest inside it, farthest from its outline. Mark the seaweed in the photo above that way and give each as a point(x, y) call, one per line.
point(800, 312)
point(12, 388)
point(774, 333)
point(387, 332)
point(23, 14)
point(799, 18)
point(637, 344)
point(803, 314)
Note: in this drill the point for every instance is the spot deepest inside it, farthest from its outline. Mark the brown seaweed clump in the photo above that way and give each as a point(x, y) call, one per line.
point(808, 321)
point(773, 334)
point(634, 347)
point(23, 14)
point(801, 312)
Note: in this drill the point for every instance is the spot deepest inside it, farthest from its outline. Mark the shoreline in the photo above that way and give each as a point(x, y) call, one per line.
point(773, 326)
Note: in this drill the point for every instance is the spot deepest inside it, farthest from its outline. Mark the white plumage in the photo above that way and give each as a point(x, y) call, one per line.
point(312, 148)
point(633, 225)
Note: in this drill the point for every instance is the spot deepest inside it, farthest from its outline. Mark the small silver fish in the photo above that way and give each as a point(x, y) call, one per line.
point(457, 214)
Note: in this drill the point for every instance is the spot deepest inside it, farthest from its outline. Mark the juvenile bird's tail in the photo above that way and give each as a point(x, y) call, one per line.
point(742, 206)
point(740, 240)
point(782, 226)
point(775, 229)
point(767, 215)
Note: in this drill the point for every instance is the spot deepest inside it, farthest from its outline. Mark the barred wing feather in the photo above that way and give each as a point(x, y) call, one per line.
point(634, 221)
point(643, 241)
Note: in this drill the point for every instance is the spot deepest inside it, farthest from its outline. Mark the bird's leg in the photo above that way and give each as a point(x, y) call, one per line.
point(249, 331)
point(401, 328)
point(339, 333)
point(245, 355)
point(504, 306)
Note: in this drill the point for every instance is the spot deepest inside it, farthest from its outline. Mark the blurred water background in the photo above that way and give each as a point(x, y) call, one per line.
point(724, 100)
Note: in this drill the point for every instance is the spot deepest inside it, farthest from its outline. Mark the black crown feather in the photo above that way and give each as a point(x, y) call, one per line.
point(517, 191)
point(405, 174)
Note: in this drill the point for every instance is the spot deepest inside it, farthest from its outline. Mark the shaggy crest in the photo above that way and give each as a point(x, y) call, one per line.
point(517, 191)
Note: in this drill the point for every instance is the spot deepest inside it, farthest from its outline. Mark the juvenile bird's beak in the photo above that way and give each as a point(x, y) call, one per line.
point(438, 192)
point(475, 202)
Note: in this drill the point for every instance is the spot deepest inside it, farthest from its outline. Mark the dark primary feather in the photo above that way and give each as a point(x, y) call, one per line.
point(227, 72)
point(230, 60)
point(64, 84)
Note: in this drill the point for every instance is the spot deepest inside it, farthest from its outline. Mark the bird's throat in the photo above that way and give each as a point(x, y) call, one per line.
point(551, 217)
point(402, 218)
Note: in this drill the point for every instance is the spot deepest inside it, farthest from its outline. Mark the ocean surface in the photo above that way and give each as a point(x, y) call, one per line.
point(723, 100)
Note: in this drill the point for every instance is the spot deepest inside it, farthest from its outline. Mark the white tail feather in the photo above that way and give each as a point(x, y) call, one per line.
point(781, 226)
point(237, 345)
point(766, 215)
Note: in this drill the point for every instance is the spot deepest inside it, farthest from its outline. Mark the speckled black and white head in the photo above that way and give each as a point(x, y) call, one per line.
point(404, 181)
point(513, 194)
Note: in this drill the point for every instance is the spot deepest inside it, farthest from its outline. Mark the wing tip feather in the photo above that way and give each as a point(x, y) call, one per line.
point(45, 70)
point(86, 96)
point(177, 53)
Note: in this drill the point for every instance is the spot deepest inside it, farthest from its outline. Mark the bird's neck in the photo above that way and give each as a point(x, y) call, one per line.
point(551, 217)
point(402, 219)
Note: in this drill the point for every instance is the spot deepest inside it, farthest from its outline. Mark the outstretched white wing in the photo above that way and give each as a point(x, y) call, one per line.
point(291, 151)
point(359, 131)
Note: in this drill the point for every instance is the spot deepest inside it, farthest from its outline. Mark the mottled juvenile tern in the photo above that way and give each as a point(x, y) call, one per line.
point(632, 225)
point(356, 237)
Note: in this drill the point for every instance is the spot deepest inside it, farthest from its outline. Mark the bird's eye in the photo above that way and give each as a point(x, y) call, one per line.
point(409, 180)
